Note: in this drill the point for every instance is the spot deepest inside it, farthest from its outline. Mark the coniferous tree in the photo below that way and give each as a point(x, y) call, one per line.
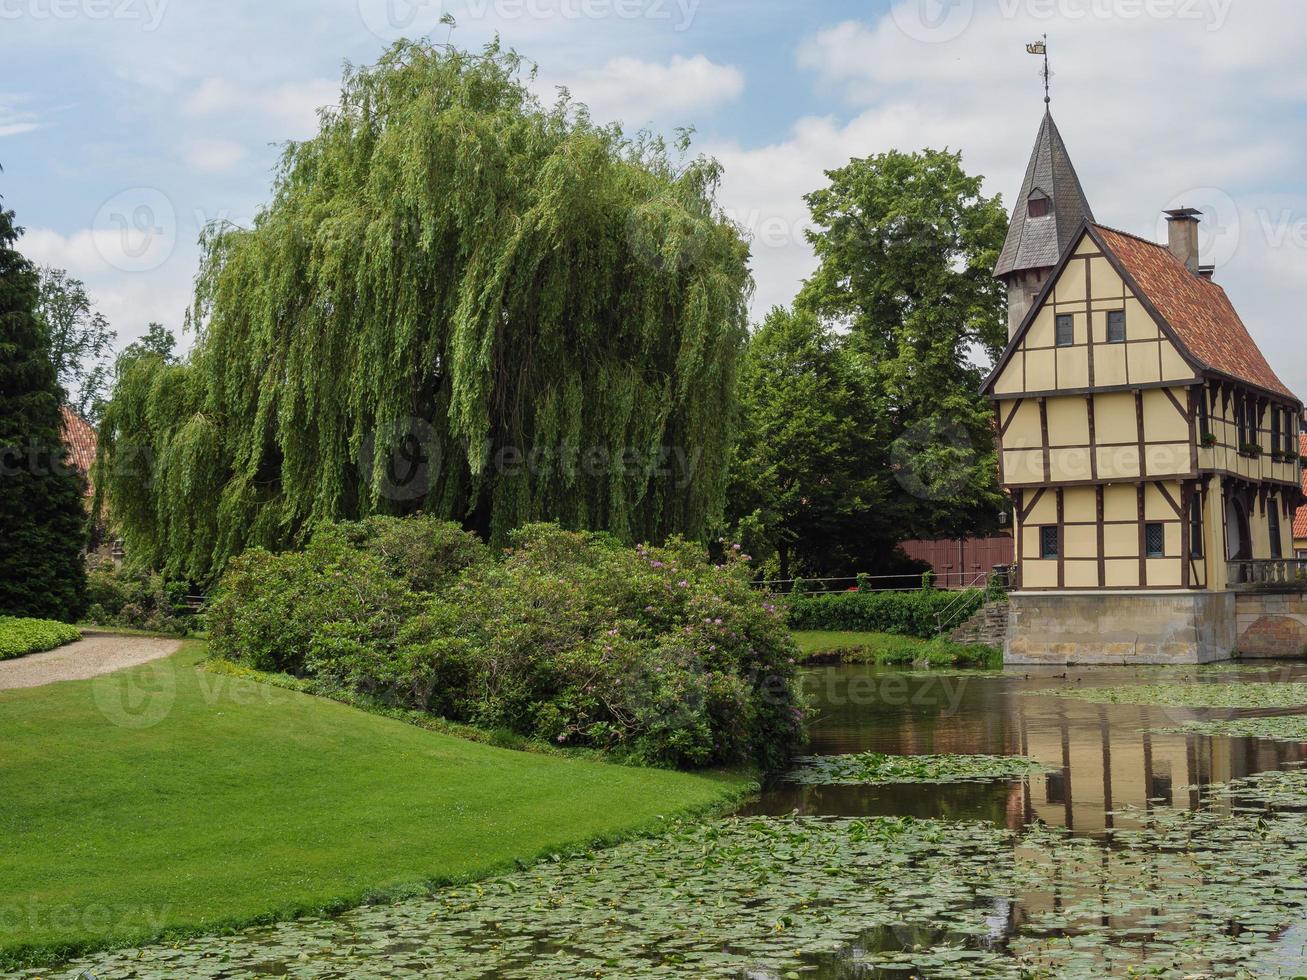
point(42, 520)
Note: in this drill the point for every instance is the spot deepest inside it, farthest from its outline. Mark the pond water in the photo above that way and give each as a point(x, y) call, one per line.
point(1130, 853)
point(1101, 756)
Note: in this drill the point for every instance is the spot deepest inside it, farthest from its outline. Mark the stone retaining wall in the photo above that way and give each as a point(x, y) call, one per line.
point(1172, 627)
point(1271, 626)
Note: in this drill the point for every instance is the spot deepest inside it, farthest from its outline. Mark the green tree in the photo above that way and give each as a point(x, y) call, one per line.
point(906, 244)
point(158, 341)
point(810, 481)
point(42, 519)
point(461, 301)
point(80, 341)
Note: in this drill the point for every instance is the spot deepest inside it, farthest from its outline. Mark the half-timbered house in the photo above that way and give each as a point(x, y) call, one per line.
point(1147, 445)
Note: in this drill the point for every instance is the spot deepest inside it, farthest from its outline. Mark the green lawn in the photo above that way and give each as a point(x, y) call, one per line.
point(823, 641)
point(892, 649)
point(164, 799)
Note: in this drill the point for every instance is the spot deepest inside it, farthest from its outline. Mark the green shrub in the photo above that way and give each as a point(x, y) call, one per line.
point(426, 553)
point(906, 613)
point(136, 599)
point(652, 654)
point(888, 649)
point(22, 636)
point(292, 612)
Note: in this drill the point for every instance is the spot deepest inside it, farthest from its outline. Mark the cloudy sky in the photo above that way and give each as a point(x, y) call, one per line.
point(126, 125)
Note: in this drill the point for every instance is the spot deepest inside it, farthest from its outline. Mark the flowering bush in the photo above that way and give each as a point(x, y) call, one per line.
point(654, 654)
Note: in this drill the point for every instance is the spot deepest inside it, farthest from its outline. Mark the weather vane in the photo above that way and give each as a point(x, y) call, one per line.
point(1041, 47)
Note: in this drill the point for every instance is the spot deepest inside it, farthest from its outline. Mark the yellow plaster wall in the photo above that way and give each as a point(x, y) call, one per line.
point(1120, 536)
point(1087, 289)
point(1094, 437)
point(1225, 457)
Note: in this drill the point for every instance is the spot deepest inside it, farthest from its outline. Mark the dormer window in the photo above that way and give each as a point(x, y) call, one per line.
point(1038, 205)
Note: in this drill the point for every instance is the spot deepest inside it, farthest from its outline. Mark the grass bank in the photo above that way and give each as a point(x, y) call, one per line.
point(165, 800)
point(891, 650)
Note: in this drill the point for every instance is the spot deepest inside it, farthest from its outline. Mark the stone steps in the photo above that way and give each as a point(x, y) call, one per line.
point(988, 626)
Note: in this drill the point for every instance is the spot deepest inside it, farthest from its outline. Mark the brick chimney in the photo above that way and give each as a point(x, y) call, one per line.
point(1182, 235)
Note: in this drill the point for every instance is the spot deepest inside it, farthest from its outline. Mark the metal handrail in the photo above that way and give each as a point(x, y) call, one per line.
point(954, 607)
point(912, 582)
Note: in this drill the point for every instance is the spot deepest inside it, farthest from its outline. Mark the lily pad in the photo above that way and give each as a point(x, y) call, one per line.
point(873, 768)
point(1233, 695)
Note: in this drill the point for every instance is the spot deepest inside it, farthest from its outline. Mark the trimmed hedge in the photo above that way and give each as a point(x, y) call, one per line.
point(19, 637)
point(904, 613)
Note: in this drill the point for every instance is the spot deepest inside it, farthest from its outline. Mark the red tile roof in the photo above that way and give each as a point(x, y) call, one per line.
point(1197, 309)
point(80, 439)
point(1300, 519)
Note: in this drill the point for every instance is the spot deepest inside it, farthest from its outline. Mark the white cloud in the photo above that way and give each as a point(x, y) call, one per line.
point(214, 156)
point(129, 301)
point(15, 121)
point(215, 95)
point(635, 92)
point(1152, 108)
point(290, 108)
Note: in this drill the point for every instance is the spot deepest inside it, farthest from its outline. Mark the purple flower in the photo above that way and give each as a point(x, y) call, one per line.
point(648, 608)
point(683, 584)
point(562, 737)
point(735, 547)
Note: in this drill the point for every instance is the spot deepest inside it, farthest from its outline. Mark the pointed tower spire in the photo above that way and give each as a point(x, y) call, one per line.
point(1049, 209)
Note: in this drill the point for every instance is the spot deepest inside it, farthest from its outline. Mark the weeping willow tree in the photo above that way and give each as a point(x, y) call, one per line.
point(459, 300)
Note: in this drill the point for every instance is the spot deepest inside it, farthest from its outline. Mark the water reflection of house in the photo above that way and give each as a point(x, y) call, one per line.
point(1105, 757)
point(1145, 440)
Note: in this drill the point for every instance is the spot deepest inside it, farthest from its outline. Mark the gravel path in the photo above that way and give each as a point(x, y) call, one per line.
point(97, 653)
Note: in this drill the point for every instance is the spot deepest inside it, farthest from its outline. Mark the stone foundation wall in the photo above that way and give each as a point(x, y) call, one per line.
point(1271, 626)
point(1180, 627)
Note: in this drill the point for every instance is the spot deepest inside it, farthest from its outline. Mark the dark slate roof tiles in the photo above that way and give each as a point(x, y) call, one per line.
point(1038, 243)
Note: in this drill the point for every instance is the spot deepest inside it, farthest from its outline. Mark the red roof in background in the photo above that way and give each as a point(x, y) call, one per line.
point(80, 438)
point(1300, 519)
point(1197, 309)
